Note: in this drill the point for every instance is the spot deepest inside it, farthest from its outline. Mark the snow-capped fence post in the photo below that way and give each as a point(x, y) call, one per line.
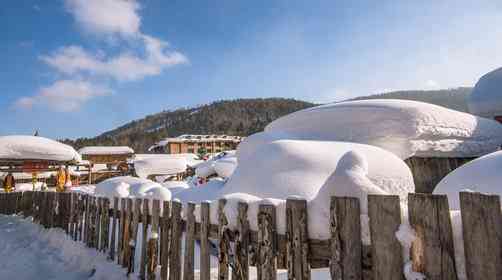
point(204, 241)
point(153, 247)
point(120, 237)
point(80, 217)
point(385, 218)
point(175, 244)
point(127, 234)
point(99, 216)
point(115, 217)
point(267, 246)
point(297, 247)
point(188, 262)
point(105, 225)
point(224, 244)
point(73, 215)
point(432, 252)
point(345, 242)
point(240, 270)
point(164, 240)
point(65, 199)
point(133, 235)
point(86, 219)
point(144, 242)
point(482, 235)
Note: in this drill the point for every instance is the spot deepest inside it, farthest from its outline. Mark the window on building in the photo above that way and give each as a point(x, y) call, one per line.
point(191, 150)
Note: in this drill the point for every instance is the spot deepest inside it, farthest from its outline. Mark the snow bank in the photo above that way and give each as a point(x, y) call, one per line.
point(406, 128)
point(222, 165)
point(127, 186)
point(486, 97)
point(35, 147)
point(22, 187)
point(480, 175)
point(207, 191)
point(284, 168)
point(160, 165)
point(191, 159)
point(28, 251)
point(106, 150)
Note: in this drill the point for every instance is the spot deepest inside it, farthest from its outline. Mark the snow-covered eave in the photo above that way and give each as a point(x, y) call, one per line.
point(106, 150)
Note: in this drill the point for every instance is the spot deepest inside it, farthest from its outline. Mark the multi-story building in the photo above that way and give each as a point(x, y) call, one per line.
point(193, 143)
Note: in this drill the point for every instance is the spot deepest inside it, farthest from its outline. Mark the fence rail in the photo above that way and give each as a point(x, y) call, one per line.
point(159, 239)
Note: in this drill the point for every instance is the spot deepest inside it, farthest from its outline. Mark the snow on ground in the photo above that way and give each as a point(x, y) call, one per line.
point(106, 150)
point(35, 147)
point(28, 251)
point(406, 128)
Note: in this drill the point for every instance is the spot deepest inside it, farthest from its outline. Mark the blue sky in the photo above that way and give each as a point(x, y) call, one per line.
point(73, 68)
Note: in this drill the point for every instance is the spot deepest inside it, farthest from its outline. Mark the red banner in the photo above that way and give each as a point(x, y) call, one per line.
point(30, 167)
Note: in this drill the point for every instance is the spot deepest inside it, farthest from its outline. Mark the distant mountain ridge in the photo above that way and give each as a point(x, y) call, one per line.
point(239, 117)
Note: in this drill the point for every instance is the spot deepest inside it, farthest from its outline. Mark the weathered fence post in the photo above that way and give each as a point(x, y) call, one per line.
point(267, 246)
point(482, 234)
point(432, 251)
point(115, 217)
point(241, 264)
point(120, 238)
point(175, 245)
point(164, 240)
point(345, 243)
point(105, 225)
point(133, 235)
point(126, 249)
point(224, 244)
point(204, 241)
point(297, 239)
point(385, 218)
point(188, 262)
point(144, 243)
point(153, 241)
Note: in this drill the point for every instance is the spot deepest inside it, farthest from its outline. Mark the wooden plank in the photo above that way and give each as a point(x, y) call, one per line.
point(224, 242)
point(164, 240)
point(127, 234)
point(432, 252)
point(36, 207)
point(241, 267)
point(267, 247)
point(205, 271)
point(120, 239)
point(51, 199)
point(86, 219)
point(297, 239)
point(345, 227)
point(153, 241)
point(188, 262)
point(482, 234)
point(144, 243)
point(73, 214)
point(385, 218)
point(115, 218)
point(175, 245)
point(105, 225)
point(134, 234)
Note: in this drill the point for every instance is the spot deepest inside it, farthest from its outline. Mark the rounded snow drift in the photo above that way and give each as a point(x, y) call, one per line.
point(486, 97)
point(480, 175)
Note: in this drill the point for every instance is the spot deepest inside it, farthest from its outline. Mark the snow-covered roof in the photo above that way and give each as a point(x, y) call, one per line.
point(23, 147)
point(406, 128)
point(486, 97)
point(160, 165)
point(196, 138)
point(480, 175)
point(106, 150)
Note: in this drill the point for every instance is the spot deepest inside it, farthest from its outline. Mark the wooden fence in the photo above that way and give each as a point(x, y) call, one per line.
point(99, 224)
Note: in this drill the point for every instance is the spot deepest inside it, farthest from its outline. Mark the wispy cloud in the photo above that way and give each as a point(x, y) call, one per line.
point(141, 56)
point(63, 95)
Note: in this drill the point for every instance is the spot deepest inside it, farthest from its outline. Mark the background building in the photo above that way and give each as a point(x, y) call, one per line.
point(193, 143)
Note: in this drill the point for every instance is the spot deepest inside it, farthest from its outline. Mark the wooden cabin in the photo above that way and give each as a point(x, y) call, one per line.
point(112, 156)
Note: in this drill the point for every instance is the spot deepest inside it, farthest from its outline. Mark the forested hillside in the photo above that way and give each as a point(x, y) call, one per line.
point(238, 117)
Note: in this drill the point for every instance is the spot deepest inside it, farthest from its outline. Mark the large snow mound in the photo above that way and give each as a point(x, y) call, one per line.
point(222, 164)
point(160, 165)
point(284, 168)
point(106, 150)
point(486, 97)
point(24, 147)
point(480, 175)
point(406, 128)
point(127, 186)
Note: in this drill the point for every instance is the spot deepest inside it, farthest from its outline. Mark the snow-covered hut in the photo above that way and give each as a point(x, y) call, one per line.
point(112, 155)
point(486, 97)
point(432, 140)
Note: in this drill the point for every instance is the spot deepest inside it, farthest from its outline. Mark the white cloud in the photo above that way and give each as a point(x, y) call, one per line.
point(432, 84)
point(63, 95)
point(106, 16)
point(123, 67)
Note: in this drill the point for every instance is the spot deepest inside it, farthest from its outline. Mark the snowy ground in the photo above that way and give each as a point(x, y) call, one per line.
point(27, 251)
